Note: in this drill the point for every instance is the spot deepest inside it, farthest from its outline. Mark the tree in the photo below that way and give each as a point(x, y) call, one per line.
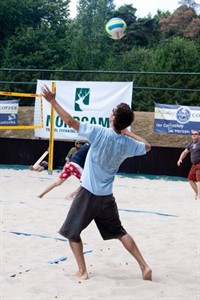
point(171, 55)
point(189, 3)
point(193, 29)
point(19, 14)
point(89, 48)
point(162, 15)
point(145, 32)
point(181, 23)
point(37, 38)
point(140, 32)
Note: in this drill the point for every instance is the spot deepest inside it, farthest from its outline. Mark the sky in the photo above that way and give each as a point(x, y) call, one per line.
point(144, 7)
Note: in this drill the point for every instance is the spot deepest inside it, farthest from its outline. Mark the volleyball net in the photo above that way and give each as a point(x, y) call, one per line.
point(13, 116)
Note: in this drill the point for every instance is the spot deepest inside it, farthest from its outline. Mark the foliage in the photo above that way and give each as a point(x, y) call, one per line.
point(40, 36)
point(183, 22)
point(89, 46)
point(190, 3)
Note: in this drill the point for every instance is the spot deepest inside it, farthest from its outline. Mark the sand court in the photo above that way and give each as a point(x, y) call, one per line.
point(37, 263)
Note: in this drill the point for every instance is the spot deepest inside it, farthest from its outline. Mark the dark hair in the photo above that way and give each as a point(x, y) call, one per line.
point(124, 116)
point(198, 131)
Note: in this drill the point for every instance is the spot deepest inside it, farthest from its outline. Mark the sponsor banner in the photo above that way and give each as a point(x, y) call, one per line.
point(9, 112)
point(86, 101)
point(176, 119)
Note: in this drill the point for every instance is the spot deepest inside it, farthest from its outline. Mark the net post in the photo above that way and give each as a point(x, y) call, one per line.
point(51, 140)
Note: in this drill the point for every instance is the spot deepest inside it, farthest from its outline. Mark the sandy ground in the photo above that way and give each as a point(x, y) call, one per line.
point(37, 263)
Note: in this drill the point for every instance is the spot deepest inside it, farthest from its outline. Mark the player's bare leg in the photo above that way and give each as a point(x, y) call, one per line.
point(198, 189)
point(194, 187)
point(51, 187)
point(73, 194)
point(77, 249)
point(131, 246)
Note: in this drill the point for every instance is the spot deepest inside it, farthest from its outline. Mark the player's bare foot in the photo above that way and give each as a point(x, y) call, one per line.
point(147, 274)
point(82, 275)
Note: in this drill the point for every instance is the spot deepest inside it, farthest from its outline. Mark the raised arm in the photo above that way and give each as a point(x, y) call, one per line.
point(65, 116)
point(137, 138)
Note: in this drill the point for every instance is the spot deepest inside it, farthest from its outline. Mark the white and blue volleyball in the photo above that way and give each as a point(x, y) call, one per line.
point(116, 28)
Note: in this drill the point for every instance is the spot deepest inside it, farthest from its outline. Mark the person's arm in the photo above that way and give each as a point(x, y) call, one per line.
point(69, 155)
point(137, 138)
point(65, 116)
point(182, 156)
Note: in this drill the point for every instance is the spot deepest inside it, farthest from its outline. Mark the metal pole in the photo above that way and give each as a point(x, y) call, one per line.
point(51, 140)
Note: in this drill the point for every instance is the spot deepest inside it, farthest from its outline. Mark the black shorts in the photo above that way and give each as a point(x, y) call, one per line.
point(44, 165)
point(87, 207)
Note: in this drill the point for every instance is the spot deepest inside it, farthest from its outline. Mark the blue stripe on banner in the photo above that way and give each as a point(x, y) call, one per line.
point(172, 127)
point(147, 212)
point(8, 119)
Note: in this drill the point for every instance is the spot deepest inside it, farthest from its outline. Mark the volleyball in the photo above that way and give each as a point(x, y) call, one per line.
point(116, 28)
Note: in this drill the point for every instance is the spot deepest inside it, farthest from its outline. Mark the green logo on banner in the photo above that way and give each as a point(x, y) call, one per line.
point(82, 99)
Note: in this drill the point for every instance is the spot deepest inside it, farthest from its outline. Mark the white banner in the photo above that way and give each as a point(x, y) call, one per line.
point(86, 101)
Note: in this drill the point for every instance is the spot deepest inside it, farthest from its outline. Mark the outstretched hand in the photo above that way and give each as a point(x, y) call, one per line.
point(63, 114)
point(179, 162)
point(48, 95)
